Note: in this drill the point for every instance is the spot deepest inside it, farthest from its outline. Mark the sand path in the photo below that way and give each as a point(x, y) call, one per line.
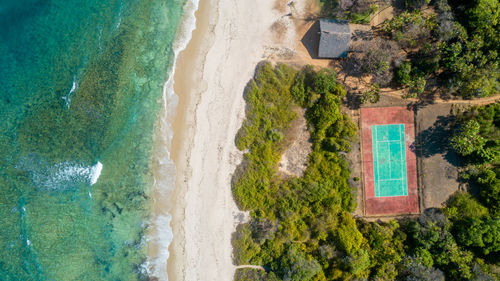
point(230, 39)
point(240, 37)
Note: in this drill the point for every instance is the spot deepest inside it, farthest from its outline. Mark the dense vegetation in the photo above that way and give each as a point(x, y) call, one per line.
point(458, 44)
point(301, 228)
point(450, 46)
point(477, 140)
point(295, 221)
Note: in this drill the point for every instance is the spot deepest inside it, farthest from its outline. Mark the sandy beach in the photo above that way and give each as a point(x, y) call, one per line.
point(230, 38)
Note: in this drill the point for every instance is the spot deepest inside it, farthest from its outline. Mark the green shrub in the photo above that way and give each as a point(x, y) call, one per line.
point(245, 249)
point(348, 236)
point(403, 74)
point(462, 205)
point(468, 140)
point(296, 265)
point(410, 28)
point(249, 274)
point(481, 235)
point(372, 95)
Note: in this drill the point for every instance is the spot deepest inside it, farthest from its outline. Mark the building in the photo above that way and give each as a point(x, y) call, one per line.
point(335, 36)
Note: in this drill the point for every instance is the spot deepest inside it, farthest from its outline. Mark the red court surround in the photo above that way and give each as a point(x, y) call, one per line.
point(397, 204)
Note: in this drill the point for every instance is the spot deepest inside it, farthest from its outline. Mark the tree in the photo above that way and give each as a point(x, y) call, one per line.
point(416, 4)
point(325, 112)
point(358, 263)
point(403, 73)
point(245, 247)
point(348, 236)
point(473, 70)
point(325, 82)
point(297, 266)
point(356, 11)
point(385, 248)
point(462, 205)
point(250, 274)
point(483, 235)
point(468, 140)
point(378, 60)
point(417, 85)
point(410, 29)
point(431, 233)
point(415, 270)
point(489, 190)
point(483, 17)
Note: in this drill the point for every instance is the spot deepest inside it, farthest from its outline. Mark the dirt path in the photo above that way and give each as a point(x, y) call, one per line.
point(434, 100)
point(383, 15)
point(480, 101)
point(250, 266)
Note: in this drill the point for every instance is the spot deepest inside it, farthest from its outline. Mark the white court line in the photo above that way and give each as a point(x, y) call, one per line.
point(378, 172)
point(402, 163)
point(389, 141)
point(390, 167)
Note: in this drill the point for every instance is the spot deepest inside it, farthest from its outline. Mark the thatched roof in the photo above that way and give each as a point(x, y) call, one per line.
point(334, 38)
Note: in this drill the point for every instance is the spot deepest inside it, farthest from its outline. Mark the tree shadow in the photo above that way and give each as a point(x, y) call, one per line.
point(436, 140)
point(399, 5)
point(353, 100)
point(352, 66)
point(433, 216)
point(417, 105)
point(311, 40)
point(361, 35)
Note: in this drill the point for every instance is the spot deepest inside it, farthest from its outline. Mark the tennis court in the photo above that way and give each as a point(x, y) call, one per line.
point(389, 160)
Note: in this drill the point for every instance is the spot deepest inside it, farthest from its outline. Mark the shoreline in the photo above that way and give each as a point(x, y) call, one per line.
point(160, 232)
point(183, 124)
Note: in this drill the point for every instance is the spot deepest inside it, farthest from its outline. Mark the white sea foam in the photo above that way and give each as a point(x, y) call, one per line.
point(67, 97)
point(120, 12)
point(68, 172)
point(63, 175)
point(161, 234)
point(73, 87)
point(99, 37)
point(95, 173)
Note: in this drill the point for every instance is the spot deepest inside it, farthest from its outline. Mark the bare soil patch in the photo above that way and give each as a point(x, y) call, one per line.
point(382, 15)
point(295, 158)
point(280, 5)
point(279, 29)
point(438, 163)
point(354, 158)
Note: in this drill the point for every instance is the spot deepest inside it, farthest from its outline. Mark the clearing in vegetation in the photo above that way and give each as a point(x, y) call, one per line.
point(389, 161)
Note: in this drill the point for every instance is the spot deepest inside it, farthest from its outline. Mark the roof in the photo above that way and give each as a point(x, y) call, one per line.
point(334, 39)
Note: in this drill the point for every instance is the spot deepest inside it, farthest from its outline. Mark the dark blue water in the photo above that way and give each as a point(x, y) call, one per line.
point(80, 84)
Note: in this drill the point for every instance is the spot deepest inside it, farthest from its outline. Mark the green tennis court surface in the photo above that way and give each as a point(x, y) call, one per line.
point(389, 160)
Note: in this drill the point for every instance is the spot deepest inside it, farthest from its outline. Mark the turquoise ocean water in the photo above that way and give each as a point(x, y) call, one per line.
point(80, 89)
